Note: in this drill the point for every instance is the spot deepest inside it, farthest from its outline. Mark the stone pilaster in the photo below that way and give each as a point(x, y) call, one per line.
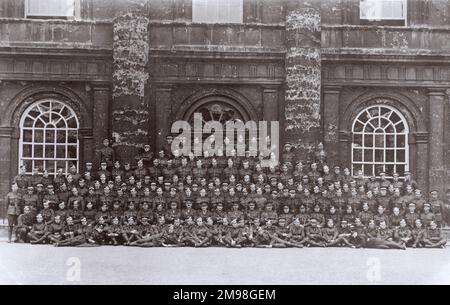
point(436, 153)
point(303, 75)
point(6, 134)
point(163, 97)
point(102, 115)
point(130, 110)
point(331, 122)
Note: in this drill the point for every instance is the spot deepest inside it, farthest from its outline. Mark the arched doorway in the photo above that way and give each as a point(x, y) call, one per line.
point(220, 109)
point(49, 137)
point(380, 142)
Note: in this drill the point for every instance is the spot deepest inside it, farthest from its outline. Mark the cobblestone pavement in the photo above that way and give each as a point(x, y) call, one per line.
point(26, 264)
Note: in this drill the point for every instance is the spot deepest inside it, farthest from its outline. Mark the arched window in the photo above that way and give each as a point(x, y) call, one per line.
point(380, 142)
point(216, 111)
point(49, 137)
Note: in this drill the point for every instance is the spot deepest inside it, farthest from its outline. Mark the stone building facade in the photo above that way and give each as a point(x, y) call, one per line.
point(374, 91)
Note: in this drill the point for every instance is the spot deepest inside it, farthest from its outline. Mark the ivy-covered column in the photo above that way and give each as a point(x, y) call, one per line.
point(130, 109)
point(303, 75)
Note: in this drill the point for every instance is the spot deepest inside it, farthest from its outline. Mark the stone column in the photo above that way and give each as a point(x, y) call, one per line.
point(6, 164)
point(101, 119)
point(303, 75)
point(270, 100)
point(129, 109)
point(436, 143)
point(420, 172)
point(345, 150)
point(87, 148)
point(163, 97)
point(331, 122)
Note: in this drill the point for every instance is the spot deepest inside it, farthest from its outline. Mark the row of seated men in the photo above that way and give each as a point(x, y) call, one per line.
point(209, 232)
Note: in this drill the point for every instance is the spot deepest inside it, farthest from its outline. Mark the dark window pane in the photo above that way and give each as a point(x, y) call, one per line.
point(389, 169)
point(60, 152)
point(358, 127)
point(357, 140)
point(379, 155)
point(72, 151)
point(38, 151)
point(73, 136)
point(72, 123)
point(400, 156)
point(357, 155)
point(27, 151)
point(28, 122)
point(400, 128)
point(61, 136)
point(401, 170)
point(368, 170)
point(28, 136)
point(390, 155)
point(50, 136)
point(49, 151)
point(38, 136)
point(390, 141)
point(379, 141)
point(61, 164)
point(368, 140)
point(395, 118)
point(39, 164)
point(356, 168)
point(401, 141)
point(368, 155)
point(28, 165)
point(390, 128)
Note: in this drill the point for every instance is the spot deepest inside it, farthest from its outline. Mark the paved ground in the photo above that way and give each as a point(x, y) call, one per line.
point(26, 264)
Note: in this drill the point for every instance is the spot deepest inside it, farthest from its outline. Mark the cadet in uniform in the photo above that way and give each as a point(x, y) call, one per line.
point(434, 237)
point(38, 233)
point(13, 208)
point(107, 154)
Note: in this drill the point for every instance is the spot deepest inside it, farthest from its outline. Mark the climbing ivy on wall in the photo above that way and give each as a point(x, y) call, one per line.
point(130, 115)
point(131, 52)
point(303, 77)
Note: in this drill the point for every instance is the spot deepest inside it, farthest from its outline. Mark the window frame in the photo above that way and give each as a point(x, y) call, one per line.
point(374, 148)
point(76, 10)
point(196, 19)
point(385, 21)
point(53, 161)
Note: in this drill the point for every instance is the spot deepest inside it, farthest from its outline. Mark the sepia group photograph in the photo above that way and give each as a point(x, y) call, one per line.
point(224, 148)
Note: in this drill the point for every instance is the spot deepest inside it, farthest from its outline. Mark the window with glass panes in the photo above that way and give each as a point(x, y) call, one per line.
point(50, 8)
point(49, 137)
point(217, 11)
point(380, 142)
point(383, 9)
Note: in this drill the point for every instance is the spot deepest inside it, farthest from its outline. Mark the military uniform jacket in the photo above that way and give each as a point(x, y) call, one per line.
point(48, 215)
point(55, 228)
point(313, 231)
point(39, 228)
point(235, 214)
point(411, 219)
point(330, 233)
point(436, 208)
point(385, 234)
point(403, 233)
point(303, 218)
point(13, 204)
point(202, 231)
point(434, 234)
point(297, 231)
